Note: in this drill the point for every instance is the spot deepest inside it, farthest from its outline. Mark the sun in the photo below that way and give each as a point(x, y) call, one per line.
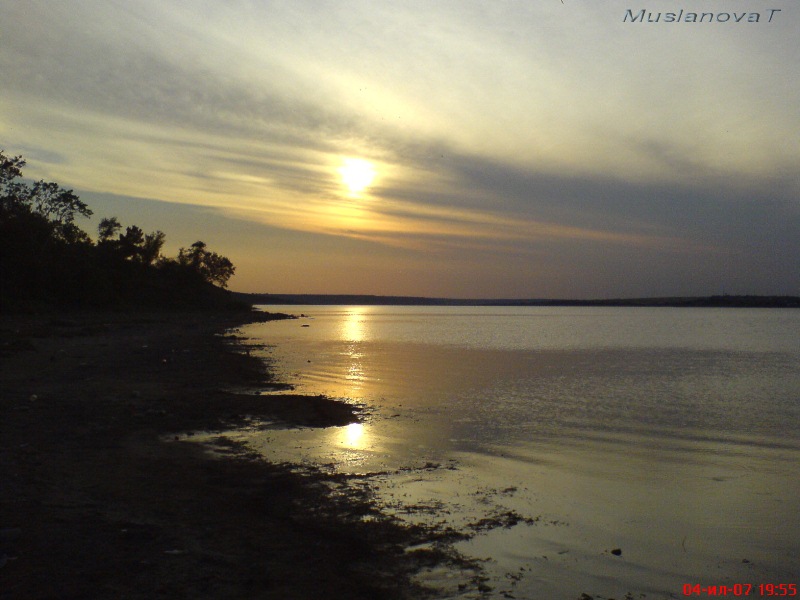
point(357, 174)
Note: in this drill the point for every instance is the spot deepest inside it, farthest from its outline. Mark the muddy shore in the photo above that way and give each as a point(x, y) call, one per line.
point(98, 500)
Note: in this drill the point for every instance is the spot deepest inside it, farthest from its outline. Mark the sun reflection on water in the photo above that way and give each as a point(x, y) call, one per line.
point(353, 332)
point(354, 325)
point(355, 372)
point(354, 436)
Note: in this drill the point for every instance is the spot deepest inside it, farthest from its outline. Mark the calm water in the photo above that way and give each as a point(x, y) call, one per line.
point(671, 434)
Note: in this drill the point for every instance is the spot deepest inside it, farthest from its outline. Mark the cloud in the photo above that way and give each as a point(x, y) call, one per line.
point(500, 131)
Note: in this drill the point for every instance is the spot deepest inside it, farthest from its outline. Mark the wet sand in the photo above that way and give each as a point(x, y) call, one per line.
point(99, 500)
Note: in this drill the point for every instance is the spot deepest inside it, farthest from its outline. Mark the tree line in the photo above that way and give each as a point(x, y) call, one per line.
point(47, 260)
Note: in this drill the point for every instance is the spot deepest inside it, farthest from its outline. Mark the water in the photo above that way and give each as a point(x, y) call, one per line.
point(669, 434)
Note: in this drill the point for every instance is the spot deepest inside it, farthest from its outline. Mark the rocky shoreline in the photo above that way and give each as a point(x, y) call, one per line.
point(97, 502)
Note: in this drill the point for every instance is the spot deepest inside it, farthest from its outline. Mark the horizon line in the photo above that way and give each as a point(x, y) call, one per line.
point(737, 300)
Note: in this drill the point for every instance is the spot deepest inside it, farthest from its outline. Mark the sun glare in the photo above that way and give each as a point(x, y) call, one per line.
point(353, 436)
point(357, 174)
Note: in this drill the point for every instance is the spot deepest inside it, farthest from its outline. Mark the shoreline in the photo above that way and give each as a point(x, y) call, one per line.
point(722, 301)
point(97, 503)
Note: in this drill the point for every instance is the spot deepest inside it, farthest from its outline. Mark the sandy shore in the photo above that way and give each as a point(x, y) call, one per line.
point(97, 502)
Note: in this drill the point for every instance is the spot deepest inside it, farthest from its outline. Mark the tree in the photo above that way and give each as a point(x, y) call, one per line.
point(72, 234)
point(47, 260)
point(47, 199)
point(130, 242)
point(211, 266)
point(108, 228)
point(43, 253)
point(10, 168)
point(133, 244)
point(150, 250)
point(56, 204)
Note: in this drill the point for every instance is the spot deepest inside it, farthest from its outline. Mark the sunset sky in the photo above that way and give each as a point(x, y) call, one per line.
point(449, 148)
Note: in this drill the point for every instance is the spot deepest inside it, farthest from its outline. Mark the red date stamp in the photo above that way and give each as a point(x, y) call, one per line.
point(742, 590)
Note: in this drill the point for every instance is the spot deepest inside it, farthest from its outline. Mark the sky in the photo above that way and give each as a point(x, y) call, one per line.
point(456, 148)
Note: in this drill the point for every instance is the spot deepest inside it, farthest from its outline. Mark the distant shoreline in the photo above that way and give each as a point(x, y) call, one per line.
point(722, 301)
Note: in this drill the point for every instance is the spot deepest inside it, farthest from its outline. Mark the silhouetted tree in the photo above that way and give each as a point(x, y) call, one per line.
point(150, 251)
point(47, 260)
point(130, 242)
point(108, 228)
point(10, 168)
point(55, 203)
point(43, 253)
point(51, 201)
point(134, 244)
point(210, 265)
point(72, 234)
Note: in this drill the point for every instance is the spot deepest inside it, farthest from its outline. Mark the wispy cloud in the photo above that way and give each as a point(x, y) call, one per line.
point(498, 129)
